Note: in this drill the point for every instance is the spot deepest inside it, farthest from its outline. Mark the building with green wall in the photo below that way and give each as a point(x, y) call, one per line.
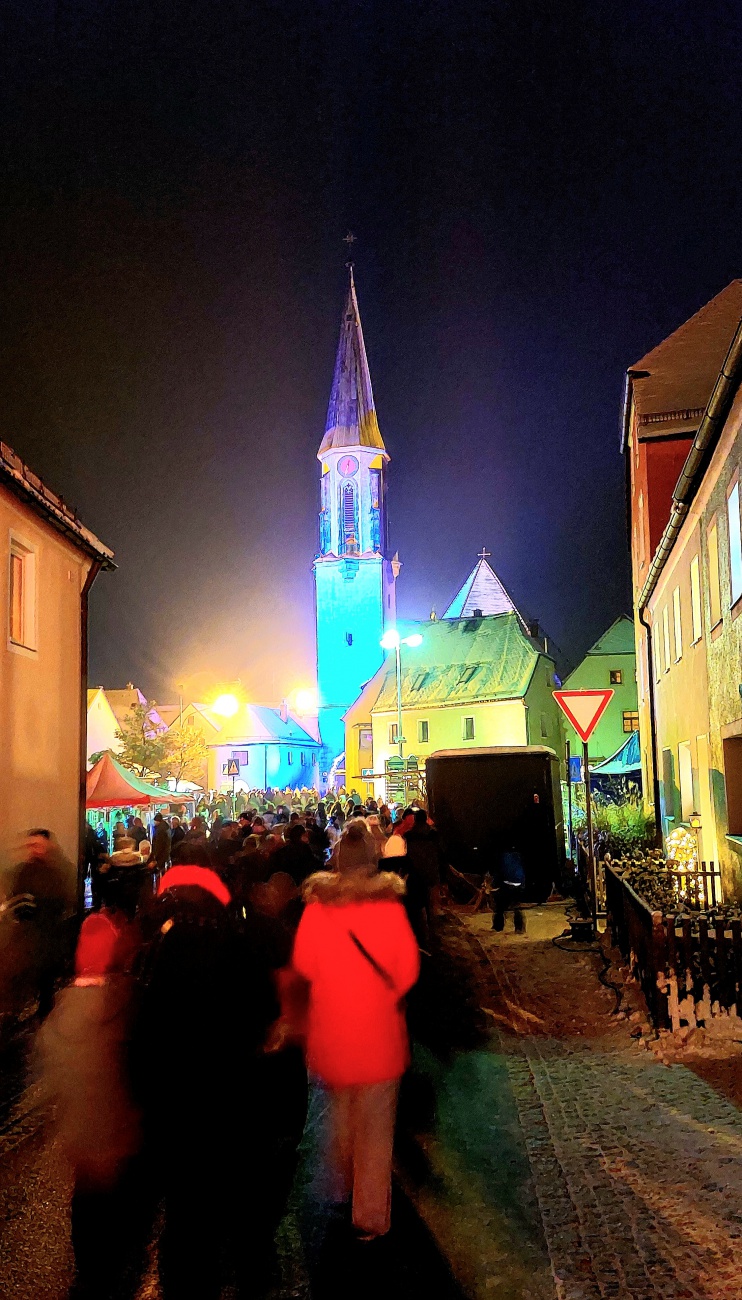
point(610, 663)
point(478, 678)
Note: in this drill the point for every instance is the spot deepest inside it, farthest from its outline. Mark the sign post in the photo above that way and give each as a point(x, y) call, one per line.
point(584, 709)
point(231, 768)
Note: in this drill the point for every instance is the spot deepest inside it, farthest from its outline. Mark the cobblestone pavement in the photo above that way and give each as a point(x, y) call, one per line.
point(637, 1165)
point(543, 1154)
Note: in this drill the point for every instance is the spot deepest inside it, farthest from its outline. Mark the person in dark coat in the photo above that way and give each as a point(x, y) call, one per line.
point(161, 843)
point(422, 866)
point(295, 857)
point(177, 833)
point(508, 887)
point(35, 957)
point(137, 832)
point(207, 1004)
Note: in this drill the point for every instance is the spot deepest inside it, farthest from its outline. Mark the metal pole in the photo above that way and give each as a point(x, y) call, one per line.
point(590, 844)
point(569, 799)
point(399, 700)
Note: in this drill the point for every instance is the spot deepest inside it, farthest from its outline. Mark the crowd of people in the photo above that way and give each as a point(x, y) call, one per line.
point(226, 969)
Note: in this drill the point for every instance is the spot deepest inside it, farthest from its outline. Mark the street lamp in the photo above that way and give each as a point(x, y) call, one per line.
point(391, 640)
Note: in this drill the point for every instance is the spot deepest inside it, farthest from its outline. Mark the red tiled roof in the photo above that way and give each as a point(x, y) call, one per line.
point(683, 368)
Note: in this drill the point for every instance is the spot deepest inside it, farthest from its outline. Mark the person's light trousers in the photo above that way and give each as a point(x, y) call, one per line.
point(359, 1138)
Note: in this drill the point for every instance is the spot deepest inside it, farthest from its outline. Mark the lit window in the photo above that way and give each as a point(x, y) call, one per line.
point(423, 731)
point(240, 756)
point(666, 637)
point(394, 734)
point(630, 720)
point(735, 544)
point(616, 676)
point(22, 595)
point(714, 585)
point(468, 728)
point(695, 599)
point(677, 624)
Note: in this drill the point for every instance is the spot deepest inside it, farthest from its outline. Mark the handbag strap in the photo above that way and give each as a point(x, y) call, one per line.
point(372, 961)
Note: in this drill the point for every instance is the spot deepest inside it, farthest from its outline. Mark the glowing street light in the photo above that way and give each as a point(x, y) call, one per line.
point(225, 705)
point(306, 701)
point(391, 640)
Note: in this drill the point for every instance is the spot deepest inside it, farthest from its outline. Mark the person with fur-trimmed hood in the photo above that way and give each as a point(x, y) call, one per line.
point(356, 949)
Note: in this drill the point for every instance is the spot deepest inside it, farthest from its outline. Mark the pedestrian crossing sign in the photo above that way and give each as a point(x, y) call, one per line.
point(232, 768)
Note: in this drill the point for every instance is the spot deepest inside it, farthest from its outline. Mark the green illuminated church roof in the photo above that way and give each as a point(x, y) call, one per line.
point(351, 415)
point(462, 661)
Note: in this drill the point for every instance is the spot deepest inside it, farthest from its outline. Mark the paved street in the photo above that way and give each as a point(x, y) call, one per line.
point(543, 1153)
point(635, 1164)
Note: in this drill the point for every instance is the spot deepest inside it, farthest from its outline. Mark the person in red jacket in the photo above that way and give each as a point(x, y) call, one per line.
point(356, 949)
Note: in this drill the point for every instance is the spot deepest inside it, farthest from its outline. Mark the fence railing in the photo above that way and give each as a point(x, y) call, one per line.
point(689, 963)
point(698, 888)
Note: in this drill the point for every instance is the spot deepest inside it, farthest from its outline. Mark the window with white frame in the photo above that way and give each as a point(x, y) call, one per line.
point(22, 595)
point(735, 545)
point(468, 728)
point(714, 581)
point(423, 731)
point(394, 733)
point(677, 624)
point(696, 620)
point(666, 637)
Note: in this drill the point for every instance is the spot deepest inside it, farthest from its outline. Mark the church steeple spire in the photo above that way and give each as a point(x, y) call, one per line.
point(353, 572)
point(351, 414)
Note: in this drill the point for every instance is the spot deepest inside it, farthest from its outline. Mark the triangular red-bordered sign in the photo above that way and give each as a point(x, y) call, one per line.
point(584, 709)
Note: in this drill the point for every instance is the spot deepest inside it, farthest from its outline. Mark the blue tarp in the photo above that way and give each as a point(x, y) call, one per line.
point(625, 762)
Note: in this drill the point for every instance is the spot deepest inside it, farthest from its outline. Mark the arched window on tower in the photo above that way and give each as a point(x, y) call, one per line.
point(375, 485)
point(349, 520)
point(324, 516)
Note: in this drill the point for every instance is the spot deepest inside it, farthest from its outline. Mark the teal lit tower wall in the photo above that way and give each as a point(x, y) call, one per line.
point(354, 578)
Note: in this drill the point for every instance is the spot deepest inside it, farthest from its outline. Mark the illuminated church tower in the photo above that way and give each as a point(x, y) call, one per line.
point(354, 580)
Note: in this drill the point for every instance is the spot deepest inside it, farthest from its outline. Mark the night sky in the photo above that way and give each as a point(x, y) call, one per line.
point(540, 193)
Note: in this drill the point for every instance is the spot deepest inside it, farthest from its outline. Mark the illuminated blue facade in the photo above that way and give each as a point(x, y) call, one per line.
point(354, 579)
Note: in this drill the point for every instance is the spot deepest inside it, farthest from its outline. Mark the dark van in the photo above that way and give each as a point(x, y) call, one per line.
point(486, 801)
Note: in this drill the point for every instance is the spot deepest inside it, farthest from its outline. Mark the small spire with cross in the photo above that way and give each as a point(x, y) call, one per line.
point(350, 240)
point(483, 554)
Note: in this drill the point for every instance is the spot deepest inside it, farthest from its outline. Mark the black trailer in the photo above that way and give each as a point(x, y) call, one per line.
point(485, 801)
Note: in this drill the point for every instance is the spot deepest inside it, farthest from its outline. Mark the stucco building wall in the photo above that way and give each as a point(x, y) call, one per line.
point(40, 688)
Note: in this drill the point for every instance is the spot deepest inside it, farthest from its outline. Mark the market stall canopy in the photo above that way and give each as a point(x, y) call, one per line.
point(626, 761)
point(109, 785)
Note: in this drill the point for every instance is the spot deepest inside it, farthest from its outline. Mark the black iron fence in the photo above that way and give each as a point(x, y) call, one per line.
point(689, 963)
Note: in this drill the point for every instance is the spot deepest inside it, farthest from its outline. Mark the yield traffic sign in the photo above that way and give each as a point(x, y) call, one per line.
point(232, 768)
point(584, 709)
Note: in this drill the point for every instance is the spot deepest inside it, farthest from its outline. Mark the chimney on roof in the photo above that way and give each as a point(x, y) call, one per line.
point(284, 711)
point(130, 686)
point(533, 629)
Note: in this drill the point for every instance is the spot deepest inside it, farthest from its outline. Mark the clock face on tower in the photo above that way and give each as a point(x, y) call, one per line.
point(348, 466)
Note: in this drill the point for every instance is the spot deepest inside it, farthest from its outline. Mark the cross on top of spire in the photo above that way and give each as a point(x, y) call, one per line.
point(483, 554)
point(350, 240)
